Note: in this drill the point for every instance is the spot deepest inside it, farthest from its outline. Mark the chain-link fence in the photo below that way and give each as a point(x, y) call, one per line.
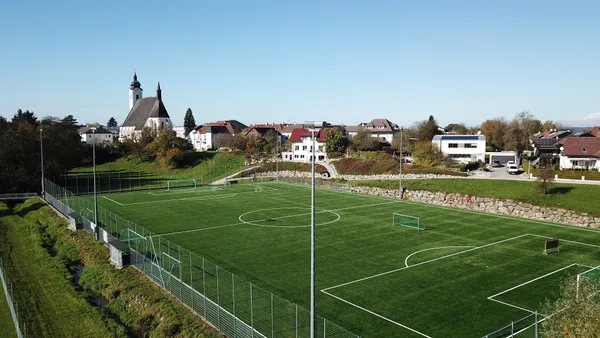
point(235, 306)
point(13, 306)
point(526, 327)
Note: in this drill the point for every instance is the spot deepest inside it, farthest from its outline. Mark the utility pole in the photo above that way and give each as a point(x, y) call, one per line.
point(401, 130)
point(312, 243)
point(42, 162)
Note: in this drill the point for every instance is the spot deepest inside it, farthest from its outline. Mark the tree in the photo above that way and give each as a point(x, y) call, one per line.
point(545, 176)
point(270, 143)
point(112, 123)
point(69, 121)
point(361, 138)
point(425, 153)
point(529, 124)
point(515, 138)
point(494, 133)
point(335, 141)
point(189, 123)
point(575, 311)
point(24, 116)
point(237, 142)
point(458, 128)
point(409, 136)
point(427, 129)
point(168, 148)
point(549, 124)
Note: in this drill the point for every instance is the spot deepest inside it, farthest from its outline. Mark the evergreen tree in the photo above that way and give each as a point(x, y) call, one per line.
point(189, 123)
point(112, 123)
point(69, 121)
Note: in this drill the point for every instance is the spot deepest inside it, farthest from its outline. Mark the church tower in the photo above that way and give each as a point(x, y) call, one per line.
point(135, 91)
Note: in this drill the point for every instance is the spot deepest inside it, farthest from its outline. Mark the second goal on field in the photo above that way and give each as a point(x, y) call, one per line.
point(407, 221)
point(174, 184)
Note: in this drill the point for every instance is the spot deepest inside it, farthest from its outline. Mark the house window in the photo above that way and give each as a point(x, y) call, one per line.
point(301, 156)
point(452, 145)
point(297, 148)
point(304, 147)
point(470, 145)
point(321, 158)
point(137, 97)
point(584, 149)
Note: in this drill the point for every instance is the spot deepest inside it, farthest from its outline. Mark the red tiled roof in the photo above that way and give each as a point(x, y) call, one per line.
point(276, 126)
point(595, 131)
point(299, 133)
point(574, 146)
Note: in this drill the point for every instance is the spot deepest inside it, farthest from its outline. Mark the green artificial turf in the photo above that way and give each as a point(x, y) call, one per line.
point(7, 328)
point(372, 278)
point(576, 197)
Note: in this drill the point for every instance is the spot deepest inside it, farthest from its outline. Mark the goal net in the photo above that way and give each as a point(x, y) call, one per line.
point(588, 282)
point(134, 240)
point(175, 184)
point(407, 221)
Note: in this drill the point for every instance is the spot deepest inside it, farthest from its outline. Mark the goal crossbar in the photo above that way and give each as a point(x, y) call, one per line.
point(172, 184)
point(414, 222)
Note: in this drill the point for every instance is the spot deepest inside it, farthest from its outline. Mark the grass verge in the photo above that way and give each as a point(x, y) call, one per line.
point(568, 174)
point(41, 256)
point(7, 328)
point(576, 197)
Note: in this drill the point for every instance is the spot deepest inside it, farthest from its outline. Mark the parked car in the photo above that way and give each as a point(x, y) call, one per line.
point(510, 162)
point(496, 164)
point(512, 169)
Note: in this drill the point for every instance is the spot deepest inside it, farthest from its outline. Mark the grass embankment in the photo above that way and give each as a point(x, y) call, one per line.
point(7, 328)
point(205, 167)
point(576, 197)
point(40, 256)
point(356, 166)
point(568, 174)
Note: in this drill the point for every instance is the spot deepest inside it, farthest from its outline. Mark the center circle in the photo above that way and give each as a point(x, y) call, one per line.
point(288, 217)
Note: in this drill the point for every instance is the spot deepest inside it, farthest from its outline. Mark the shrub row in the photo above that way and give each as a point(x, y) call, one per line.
point(355, 166)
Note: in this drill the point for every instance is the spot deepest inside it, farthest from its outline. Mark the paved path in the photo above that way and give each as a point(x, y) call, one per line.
point(330, 168)
point(223, 180)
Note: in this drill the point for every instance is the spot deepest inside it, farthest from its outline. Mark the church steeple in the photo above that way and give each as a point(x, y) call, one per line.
point(159, 92)
point(135, 91)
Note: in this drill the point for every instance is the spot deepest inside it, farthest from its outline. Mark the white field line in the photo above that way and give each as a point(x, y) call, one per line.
point(573, 227)
point(531, 281)
point(110, 199)
point(375, 314)
point(180, 192)
point(439, 247)
point(276, 218)
point(424, 262)
point(511, 305)
point(203, 198)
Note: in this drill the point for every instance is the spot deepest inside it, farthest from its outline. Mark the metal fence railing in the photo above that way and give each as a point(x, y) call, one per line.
point(527, 326)
point(236, 307)
point(13, 306)
point(18, 196)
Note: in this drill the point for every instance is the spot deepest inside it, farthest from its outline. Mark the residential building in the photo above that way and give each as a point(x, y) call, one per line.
point(595, 131)
point(209, 136)
point(582, 153)
point(302, 146)
point(379, 128)
point(179, 131)
point(461, 148)
point(97, 134)
point(263, 129)
point(544, 144)
point(144, 112)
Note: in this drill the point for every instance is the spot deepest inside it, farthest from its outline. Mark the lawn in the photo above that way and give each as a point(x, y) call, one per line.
point(466, 275)
point(576, 197)
point(48, 304)
point(7, 328)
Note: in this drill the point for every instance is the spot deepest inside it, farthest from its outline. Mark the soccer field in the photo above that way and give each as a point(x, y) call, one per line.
point(465, 275)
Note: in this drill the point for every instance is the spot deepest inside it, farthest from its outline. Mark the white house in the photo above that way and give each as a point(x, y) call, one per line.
point(462, 148)
point(179, 131)
point(210, 135)
point(100, 135)
point(302, 143)
point(378, 128)
point(582, 153)
point(144, 112)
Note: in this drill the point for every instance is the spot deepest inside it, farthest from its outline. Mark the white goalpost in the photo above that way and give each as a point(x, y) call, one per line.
point(176, 184)
point(407, 221)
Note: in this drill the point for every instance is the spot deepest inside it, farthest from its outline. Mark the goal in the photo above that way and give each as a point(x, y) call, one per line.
point(407, 221)
point(590, 281)
point(258, 188)
point(175, 184)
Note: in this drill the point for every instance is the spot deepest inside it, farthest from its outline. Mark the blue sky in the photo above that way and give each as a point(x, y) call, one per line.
point(279, 61)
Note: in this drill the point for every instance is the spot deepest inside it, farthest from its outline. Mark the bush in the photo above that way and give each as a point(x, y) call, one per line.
point(354, 166)
point(470, 166)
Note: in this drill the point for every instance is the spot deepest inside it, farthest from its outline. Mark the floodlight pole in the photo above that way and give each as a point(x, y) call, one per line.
point(42, 162)
point(94, 165)
point(401, 130)
point(312, 242)
point(277, 157)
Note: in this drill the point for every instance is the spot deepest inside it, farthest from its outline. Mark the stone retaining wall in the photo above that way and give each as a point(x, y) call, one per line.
point(489, 205)
point(394, 177)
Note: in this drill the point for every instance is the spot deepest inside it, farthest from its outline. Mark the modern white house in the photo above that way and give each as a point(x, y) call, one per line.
point(144, 112)
point(378, 128)
point(99, 135)
point(302, 146)
point(209, 136)
point(579, 153)
point(461, 148)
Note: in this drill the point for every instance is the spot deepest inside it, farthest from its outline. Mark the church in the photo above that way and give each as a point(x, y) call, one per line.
point(144, 112)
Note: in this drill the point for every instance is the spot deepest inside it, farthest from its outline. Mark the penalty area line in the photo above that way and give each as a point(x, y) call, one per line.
point(110, 199)
point(375, 314)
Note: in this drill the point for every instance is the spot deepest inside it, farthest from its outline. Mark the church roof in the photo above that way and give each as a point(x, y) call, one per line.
point(142, 110)
point(135, 83)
